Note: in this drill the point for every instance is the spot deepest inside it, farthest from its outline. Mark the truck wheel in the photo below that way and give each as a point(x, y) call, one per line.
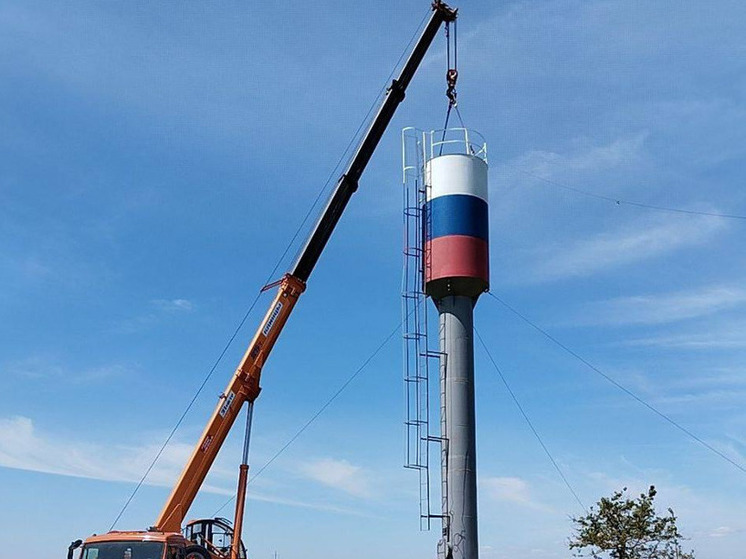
point(196, 552)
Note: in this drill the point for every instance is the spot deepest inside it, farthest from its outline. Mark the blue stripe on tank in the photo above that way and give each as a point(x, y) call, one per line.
point(456, 214)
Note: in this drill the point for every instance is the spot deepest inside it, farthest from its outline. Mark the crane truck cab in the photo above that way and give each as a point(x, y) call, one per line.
point(209, 538)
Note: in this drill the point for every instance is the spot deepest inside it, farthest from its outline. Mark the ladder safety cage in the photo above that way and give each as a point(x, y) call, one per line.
point(417, 352)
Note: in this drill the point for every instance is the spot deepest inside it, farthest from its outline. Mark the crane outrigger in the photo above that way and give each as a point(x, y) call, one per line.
point(216, 538)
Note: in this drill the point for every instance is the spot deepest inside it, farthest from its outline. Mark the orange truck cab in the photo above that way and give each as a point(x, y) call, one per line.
point(135, 545)
point(202, 539)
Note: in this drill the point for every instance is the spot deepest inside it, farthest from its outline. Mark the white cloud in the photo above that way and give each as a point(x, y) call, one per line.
point(46, 368)
point(28, 267)
point(173, 305)
point(160, 311)
point(549, 164)
point(720, 399)
point(688, 388)
point(722, 531)
point(724, 336)
point(341, 475)
point(663, 308)
point(611, 250)
point(510, 490)
point(526, 180)
point(23, 447)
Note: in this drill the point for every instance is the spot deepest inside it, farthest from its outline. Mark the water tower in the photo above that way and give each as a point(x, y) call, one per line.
point(449, 213)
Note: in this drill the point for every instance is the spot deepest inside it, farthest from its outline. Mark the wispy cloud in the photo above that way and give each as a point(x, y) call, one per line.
point(611, 250)
point(23, 447)
point(723, 531)
point(663, 308)
point(158, 310)
point(50, 368)
point(730, 335)
point(722, 399)
point(28, 267)
point(173, 305)
point(583, 162)
point(511, 490)
point(692, 382)
point(341, 475)
point(581, 157)
point(688, 387)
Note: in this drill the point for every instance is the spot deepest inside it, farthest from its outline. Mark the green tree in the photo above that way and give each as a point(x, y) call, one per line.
point(618, 527)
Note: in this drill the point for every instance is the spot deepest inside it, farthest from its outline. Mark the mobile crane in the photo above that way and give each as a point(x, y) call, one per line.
point(216, 538)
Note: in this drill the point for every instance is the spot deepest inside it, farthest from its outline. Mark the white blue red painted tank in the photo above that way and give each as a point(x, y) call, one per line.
point(456, 226)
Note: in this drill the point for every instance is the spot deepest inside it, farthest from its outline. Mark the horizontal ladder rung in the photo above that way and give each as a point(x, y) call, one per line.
point(413, 336)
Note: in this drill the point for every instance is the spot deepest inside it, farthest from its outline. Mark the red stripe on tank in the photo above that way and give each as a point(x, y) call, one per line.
point(456, 256)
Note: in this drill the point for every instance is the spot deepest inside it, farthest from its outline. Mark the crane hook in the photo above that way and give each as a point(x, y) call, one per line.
point(451, 77)
point(452, 70)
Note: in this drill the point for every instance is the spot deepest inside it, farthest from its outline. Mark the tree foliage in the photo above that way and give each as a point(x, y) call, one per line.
point(618, 527)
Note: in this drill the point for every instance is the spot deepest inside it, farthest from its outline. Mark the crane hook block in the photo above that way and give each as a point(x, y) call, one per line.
point(451, 78)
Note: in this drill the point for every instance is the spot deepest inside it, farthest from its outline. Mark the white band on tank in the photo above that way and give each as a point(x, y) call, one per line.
point(457, 174)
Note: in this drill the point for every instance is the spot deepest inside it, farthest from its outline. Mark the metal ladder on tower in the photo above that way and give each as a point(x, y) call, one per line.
point(418, 355)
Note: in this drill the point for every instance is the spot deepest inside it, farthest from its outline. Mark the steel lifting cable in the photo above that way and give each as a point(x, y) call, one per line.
point(451, 89)
point(455, 67)
point(451, 71)
point(451, 79)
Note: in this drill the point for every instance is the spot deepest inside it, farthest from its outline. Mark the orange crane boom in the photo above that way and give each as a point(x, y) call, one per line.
point(244, 385)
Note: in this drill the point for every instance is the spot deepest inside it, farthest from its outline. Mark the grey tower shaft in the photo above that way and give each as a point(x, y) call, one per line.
point(458, 426)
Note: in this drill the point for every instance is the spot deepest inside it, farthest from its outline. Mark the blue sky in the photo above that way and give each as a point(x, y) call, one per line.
point(157, 158)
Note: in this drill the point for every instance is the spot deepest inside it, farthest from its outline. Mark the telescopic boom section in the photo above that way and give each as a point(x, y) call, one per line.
point(347, 184)
point(244, 385)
